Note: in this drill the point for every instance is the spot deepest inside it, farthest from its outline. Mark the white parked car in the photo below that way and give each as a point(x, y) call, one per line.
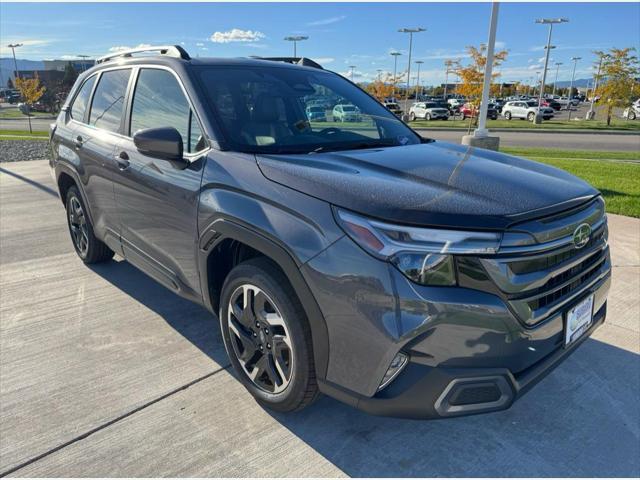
point(428, 111)
point(632, 112)
point(528, 110)
point(346, 113)
point(564, 101)
point(456, 102)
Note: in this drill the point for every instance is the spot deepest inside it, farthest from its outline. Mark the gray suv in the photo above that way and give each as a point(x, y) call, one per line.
point(400, 275)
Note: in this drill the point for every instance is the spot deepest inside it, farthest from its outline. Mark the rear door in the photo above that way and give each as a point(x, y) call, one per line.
point(157, 200)
point(95, 140)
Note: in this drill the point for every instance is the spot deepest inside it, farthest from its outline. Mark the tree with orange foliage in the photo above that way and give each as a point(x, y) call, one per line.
point(31, 90)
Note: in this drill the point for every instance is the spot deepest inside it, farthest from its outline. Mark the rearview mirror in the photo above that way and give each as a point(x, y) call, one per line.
point(164, 143)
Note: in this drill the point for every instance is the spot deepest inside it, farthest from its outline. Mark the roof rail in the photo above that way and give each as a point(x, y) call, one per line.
point(307, 62)
point(169, 50)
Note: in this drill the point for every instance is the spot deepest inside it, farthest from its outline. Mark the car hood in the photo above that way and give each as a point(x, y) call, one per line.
point(436, 184)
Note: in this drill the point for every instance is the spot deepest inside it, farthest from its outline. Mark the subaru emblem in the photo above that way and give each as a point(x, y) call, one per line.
point(581, 235)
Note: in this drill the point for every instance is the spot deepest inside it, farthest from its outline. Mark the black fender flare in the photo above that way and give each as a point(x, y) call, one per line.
point(231, 229)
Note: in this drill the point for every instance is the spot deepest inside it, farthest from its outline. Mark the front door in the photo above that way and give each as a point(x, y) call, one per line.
point(157, 200)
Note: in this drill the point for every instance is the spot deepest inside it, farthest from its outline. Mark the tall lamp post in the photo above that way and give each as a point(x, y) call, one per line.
point(395, 69)
point(551, 22)
point(410, 31)
point(573, 76)
point(418, 62)
point(352, 68)
point(557, 64)
point(84, 58)
point(13, 47)
point(295, 40)
point(379, 74)
point(591, 113)
point(448, 64)
point(481, 136)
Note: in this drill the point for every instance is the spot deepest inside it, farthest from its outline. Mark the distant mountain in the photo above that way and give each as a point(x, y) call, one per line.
point(578, 82)
point(7, 68)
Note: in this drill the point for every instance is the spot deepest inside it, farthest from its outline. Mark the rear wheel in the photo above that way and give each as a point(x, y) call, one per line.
point(631, 115)
point(412, 117)
point(267, 336)
point(85, 243)
point(531, 116)
point(427, 116)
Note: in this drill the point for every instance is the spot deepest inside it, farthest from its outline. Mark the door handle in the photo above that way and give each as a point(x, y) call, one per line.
point(78, 142)
point(122, 159)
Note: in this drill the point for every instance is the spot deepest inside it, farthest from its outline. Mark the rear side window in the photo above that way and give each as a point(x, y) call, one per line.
point(159, 101)
point(108, 101)
point(82, 100)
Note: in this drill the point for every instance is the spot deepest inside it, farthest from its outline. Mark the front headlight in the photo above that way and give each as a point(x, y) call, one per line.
point(423, 255)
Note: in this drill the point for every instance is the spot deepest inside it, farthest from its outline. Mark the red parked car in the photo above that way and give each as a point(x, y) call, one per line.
point(467, 110)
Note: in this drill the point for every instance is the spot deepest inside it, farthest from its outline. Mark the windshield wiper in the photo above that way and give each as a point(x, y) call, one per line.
point(356, 146)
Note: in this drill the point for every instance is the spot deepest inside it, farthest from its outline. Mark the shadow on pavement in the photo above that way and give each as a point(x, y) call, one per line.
point(583, 420)
point(33, 183)
point(190, 320)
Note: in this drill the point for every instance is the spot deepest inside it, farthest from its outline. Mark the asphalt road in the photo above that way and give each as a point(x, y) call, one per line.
point(566, 141)
point(105, 373)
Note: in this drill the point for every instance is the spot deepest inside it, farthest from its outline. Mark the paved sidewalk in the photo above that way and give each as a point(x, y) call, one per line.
point(105, 373)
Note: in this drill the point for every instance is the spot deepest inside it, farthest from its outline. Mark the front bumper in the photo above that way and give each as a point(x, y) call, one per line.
point(469, 352)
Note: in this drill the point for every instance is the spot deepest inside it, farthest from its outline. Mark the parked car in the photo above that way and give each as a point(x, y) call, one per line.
point(346, 113)
point(564, 101)
point(401, 275)
point(428, 111)
point(316, 113)
point(525, 110)
point(456, 102)
point(551, 103)
point(633, 111)
point(394, 108)
point(468, 111)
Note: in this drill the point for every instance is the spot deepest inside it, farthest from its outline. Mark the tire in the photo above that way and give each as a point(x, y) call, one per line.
point(531, 116)
point(631, 115)
point(87, 246)
point(507, 115)
point(248, 344)
point(412, 117)
point(427, 116)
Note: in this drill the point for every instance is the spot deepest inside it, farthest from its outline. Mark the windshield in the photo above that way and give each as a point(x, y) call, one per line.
point(264, 110)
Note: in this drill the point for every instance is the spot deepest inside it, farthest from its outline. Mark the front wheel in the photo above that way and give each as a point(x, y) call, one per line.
point(87, 246)
point(507, 115)
point(631, 115)
point(267, 336)
point(427, 117)
point(412, 117)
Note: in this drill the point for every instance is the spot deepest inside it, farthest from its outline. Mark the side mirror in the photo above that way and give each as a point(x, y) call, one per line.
point(164, 143)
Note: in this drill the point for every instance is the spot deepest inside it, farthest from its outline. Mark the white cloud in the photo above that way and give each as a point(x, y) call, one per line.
point(326, 21)
point(120, 48)
point(237, 35)
point(199, 44)
point(324, 60)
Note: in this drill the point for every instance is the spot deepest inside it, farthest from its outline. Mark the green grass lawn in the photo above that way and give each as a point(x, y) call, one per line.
point(16, 113)
point(23, 135)
point(616, 124)
point(615, 174)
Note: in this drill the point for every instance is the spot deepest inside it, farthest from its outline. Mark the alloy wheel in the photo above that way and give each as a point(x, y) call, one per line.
point(78, 226)
point(260, 339)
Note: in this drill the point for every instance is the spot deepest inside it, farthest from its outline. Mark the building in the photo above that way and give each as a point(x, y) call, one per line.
point(49, 78)
point(59, 65)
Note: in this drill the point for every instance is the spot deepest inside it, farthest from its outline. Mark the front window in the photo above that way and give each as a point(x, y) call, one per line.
point(263, 110)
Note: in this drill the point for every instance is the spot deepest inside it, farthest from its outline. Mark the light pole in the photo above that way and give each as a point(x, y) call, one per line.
point(591, 113)
point(447, 64)
point(379, 74)
point(13, 47)
point(573, 76)
point(481, 131)
point(557, 64)
point(352, 67)
point(83, 57)
point(418, 62)
point(410, 31)
point(395, 69)
point(295, 40)
point(550, 22)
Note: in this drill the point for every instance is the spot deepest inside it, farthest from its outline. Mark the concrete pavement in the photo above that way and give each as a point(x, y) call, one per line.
point(105, 373)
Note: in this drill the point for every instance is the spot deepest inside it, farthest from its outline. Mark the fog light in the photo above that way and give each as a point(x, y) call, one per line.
point(397, 364)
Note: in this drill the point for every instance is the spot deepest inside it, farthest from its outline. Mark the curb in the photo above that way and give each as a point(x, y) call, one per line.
point(534, 130)
point(25, 119)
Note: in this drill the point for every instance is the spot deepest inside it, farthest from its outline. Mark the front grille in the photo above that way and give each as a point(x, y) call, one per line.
point(539, 281)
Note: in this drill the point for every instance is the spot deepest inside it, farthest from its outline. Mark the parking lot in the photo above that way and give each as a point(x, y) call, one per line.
point(105, 373)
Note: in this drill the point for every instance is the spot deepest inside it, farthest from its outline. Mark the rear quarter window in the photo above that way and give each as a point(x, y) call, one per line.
point(81, 101)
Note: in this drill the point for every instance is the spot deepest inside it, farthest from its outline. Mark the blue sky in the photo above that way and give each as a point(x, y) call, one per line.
point(340, 34)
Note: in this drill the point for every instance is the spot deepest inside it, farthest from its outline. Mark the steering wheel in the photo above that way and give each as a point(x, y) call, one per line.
point(329, 131)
